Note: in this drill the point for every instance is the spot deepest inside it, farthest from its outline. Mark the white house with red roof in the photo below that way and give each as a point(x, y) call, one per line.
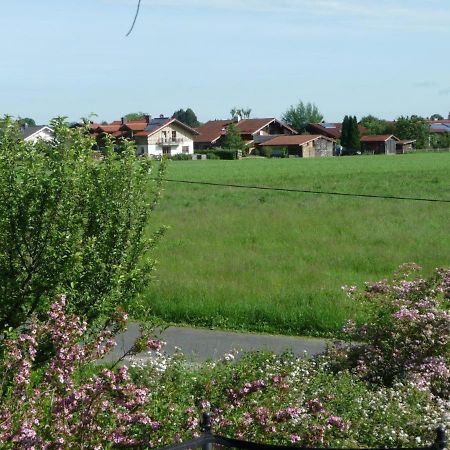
point(165, 136)
point(153, 136)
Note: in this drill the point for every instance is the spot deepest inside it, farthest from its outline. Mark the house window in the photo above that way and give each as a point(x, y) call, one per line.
point(174, 136)
point(185, 148)
point(166, 150)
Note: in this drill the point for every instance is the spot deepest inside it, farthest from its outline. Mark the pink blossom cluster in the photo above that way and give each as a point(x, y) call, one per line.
point(407, 336)
point(56, 405)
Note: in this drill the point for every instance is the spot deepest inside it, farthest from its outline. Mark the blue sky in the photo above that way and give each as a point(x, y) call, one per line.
point(72, 58)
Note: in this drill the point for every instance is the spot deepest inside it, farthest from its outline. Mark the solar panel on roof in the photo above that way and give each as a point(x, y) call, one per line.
point(328, 125)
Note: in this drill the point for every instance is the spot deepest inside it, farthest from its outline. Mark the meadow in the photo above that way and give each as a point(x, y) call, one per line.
point(275, 261)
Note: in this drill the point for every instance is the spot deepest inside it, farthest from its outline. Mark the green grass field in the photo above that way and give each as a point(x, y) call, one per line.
point(272, 261)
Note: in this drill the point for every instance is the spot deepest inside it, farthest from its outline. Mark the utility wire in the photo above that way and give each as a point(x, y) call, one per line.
point(308, 191)
point(135, 18)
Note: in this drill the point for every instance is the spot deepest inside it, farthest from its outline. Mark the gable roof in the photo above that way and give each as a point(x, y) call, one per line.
point(29, 131)
point(135, 125)
point(296, 139)
point(379, 138)
point(331, 129)
point(111, 128)
point(160, 122)
point(214, 129)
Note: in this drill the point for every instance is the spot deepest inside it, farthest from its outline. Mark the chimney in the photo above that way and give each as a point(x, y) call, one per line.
point(161, 116)
point(123, 120)
point(237, 118)
point(147, 118)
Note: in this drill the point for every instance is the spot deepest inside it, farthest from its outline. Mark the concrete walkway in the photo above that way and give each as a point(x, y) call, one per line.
point(200, 344)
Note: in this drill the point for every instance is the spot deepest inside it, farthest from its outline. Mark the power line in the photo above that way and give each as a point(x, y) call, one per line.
point(308, 191)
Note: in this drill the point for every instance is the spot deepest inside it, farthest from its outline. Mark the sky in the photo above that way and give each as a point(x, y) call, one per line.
point(382, 57)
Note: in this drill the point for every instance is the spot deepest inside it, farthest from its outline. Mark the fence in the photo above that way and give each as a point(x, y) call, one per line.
point(209, 441)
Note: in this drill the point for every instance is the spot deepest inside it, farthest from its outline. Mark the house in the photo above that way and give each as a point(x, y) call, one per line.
point(153, 136)
point(332, 130)
point(163, 136)
point(35, 133)
point(304, 146)
point(253, 131)
point(380, 144)
point(440, 126)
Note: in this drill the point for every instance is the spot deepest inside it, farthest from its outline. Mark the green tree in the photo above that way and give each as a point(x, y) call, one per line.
point(300, 115)
point(436, 117)
point(73, 224)
point(414, 127)
point(440, 140)
point(26, 120)
point(374, 125)
point(243, 112)
point(355, 139)
point(135, 115)
point(345, 132)
point(233, 139)
point(350, 138)
point(188, 117)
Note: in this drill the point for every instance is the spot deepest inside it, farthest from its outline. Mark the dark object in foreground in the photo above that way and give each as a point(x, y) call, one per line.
point(207, 441)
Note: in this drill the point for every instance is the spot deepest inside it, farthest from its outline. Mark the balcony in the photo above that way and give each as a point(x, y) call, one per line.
point(170, 141)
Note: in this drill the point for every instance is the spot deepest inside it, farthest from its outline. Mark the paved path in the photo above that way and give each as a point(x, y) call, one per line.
point(200, 344)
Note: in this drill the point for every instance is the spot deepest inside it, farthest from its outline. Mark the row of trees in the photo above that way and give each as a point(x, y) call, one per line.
point(405, 127)
point(187, 116)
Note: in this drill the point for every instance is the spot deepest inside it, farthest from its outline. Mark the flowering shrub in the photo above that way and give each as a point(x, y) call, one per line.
point(407, 334)
point(388, 389)
point(61, 405)
point(283, 400)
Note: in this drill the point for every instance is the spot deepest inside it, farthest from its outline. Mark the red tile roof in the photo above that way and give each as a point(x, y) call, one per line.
point(250, 126)
point(332, 130)
point(297, 139)
point(135, 125)
point(214, 129)
point(379, 138)
point(439, 121)
point(109, 128)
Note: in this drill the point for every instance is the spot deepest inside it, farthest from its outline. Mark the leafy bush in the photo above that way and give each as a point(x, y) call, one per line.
point(266, 151)
point(72, 223)
point(222, 153)
point(181, 157)
point(278, 152)
point(211, 155)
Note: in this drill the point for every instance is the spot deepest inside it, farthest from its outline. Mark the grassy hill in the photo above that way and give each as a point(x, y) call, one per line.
point(274, 261)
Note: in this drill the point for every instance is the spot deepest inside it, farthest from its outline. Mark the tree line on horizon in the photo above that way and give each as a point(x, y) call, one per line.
point(302, 114)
